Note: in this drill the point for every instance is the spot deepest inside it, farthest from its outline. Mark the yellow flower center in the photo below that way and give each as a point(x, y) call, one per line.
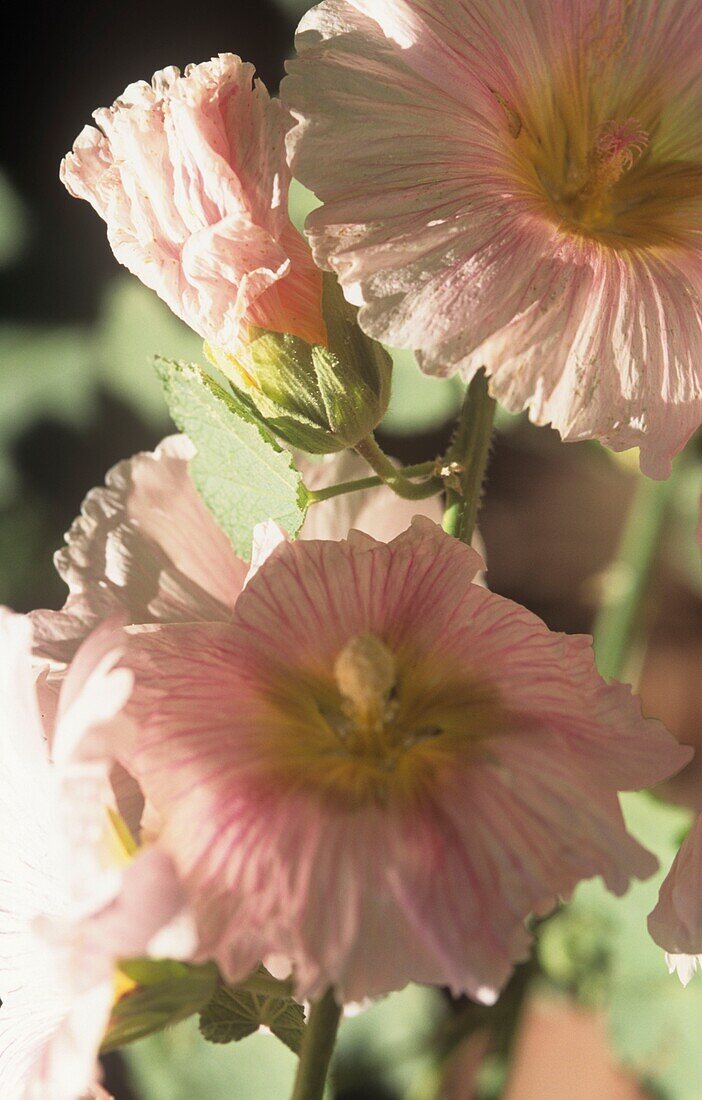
point(615, 163)
point(378, 727)
point(366, 675)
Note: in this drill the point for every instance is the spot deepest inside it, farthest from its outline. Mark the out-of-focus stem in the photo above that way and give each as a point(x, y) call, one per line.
point(619, 619)
point(317, 1049)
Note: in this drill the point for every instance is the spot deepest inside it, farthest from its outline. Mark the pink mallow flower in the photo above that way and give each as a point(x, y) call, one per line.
point(146, 547)
point(518, 186)
point(189, 173)
point(72, 899)
point(379, 769)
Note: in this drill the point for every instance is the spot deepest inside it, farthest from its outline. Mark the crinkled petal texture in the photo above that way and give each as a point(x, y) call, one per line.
point(676, 922)
point(415, 850)
point(146, 546)
point(479, 208)
point(189, 173)
point(67, 910)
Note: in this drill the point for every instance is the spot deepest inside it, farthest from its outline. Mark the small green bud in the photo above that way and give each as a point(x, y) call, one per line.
point(318, 398)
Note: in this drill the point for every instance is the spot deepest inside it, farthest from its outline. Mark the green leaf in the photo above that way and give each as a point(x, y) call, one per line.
point(166, 993)
point(243, 475)
point(237, 1011)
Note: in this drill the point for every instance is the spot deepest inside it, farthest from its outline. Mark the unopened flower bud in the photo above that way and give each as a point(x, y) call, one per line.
point(319, 397)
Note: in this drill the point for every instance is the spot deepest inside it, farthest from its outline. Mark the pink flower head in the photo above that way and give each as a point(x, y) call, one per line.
point(189, 173)
point(146, 547)
point(379, 769)
point(71, 902)
point(518, 186)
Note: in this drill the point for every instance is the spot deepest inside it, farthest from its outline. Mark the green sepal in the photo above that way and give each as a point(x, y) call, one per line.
point(319, 398)
point(166, 992)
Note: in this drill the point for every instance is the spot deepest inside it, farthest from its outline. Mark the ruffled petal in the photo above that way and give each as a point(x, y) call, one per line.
point(132, 551)
point(190, 175)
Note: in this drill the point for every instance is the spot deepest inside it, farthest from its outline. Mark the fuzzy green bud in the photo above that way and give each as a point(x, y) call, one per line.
point(318, 398)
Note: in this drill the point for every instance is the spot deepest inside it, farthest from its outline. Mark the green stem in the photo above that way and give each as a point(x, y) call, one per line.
point(265, 985)
point(317, 1049)
point(317, 495)
point(619, 619)
point(394, 478)
point(469, 450)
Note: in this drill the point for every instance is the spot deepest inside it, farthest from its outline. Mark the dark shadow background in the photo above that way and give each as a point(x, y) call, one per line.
point(67, 59)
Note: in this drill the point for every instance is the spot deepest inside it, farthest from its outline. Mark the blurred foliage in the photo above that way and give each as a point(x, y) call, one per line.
point(178, 1065)
point(295, 8)
point(390, 1046)
point(598, 949)
point(58, 372)
point(387, 1047)
point(682, 544)
point(61, 376)
point(134, 325)
point(55, 383)
point(43, 373)
point(14, 223)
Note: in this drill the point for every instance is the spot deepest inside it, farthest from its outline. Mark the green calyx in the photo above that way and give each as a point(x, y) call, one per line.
point(320, 399)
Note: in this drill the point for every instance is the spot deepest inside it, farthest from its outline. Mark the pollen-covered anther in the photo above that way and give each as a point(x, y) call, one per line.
point(366, 673)
point(617, 147)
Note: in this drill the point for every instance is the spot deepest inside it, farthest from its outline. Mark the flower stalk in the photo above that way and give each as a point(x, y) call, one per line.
point(317, 1049)
point(396, 479)
point(329, 491)
point(468, 455)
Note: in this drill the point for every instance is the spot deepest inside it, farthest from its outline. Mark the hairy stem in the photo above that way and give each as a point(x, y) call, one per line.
point(469, 451)
point(317, 1049)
